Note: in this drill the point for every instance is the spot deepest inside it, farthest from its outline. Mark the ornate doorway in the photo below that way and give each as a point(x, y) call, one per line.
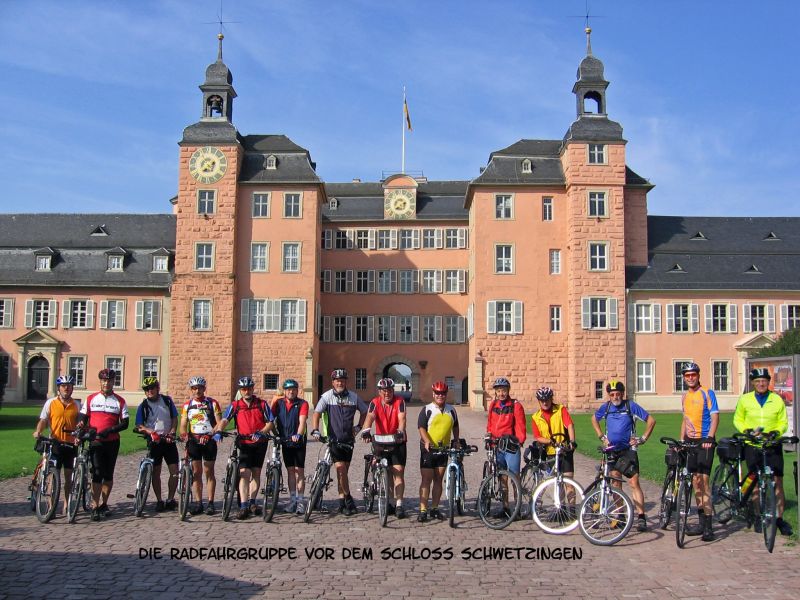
point(38, 378)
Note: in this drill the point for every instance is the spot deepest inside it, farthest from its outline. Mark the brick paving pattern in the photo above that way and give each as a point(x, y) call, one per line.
point(102, 560)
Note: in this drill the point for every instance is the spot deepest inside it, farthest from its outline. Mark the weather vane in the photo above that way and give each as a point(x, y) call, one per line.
point(587, 29)
point(221, 23)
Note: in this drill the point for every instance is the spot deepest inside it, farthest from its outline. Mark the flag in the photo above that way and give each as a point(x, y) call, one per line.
point(407, 114)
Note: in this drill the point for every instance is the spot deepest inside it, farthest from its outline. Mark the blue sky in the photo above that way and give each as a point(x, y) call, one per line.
point(97, 93)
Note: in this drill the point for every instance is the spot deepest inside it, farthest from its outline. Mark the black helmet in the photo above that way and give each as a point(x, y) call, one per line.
point(760, 373)
point(615, 386)
point(339, 374)
point(245, 382)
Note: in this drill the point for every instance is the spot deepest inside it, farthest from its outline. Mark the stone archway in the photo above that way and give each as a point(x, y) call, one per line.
point(404, 360)
point(38, 378)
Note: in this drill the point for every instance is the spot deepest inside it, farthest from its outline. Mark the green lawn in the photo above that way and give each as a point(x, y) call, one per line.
point(17, 425)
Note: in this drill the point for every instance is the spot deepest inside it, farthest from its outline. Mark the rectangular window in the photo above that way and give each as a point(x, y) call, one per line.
point(555, 262)
point(681, 316)
point(291, 257)
point(206, 199)
point(758, 317)
point(503, 206)
point(504, 316)
point(792, 320)
point(451, 238)
point(362, 239)
point(547, 209)
point(555, 319)
point(429, 238)
point(260, 205)
point(271, 381)
point(722, 372)
point(76, 366)
point(6, 312)
point(385, 282)
point(646, 318)
point(645, 376)
point(597, 204)
point(201, 315)
point(117, 364)
point(431, 281)
point(340, 240)
point(406, 333)
point(112, 314)
point(406, 239)
point(204, 256)
point(597, 154)
point(160, 264)
point(384, 239)
point(292, 315)
point(363, 279)
point(259, 257)
point(149, 367)
point(503, 258)
point(455, 281)
point(115, 262)
point(43, 263)
point(504, 320)
point(44, 313)
point(292, 208)
point(407, 280)
point(362, 329)
point(257, 311)
point(598, 256)
point(78, 314)
point(340, 329)
point(429, 329)
point(454, 329)
point(340, 282)
point(719, 318)
point(148, 315)
point(679, 382)
point(599, 313)
point(361, 379)
point(598, 390)
point(385, 329)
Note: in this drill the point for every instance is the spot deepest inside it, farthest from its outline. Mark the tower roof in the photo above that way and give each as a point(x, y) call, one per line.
point(218, 73)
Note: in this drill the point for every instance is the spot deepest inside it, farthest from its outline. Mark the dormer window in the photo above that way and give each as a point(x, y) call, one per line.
point(160, 264)
point(43, 262)
point(699, 236)
point(677, 268)
point(99, 231)
point(753, 270)
point(771, 237)
point(115, 262)
point(526, 166)
point(271, 162)
point(333, 203)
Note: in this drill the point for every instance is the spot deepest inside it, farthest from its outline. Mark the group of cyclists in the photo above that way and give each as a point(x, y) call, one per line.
point(342, 416)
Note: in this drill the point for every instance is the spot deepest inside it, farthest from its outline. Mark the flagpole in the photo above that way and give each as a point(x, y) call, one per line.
point(403, 125)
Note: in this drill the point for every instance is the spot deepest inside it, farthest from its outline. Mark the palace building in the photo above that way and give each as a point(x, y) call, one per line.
point(545, 269)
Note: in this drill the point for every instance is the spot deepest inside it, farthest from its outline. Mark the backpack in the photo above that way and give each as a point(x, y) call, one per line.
point(627, 410)
point(146, 410)
point(212, 418)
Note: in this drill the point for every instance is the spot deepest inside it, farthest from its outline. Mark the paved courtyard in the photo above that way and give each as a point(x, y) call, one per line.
point(109, 559)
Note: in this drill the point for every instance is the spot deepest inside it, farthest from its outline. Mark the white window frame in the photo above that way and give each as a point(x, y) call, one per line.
point(148, 309)
point(206, 198)
point(6, 313)
point(108, 363)
point(595, 199)
point(645, 382)
point(790, 316)
point(259, 264)
point(554, 258)
point(768, 317)
point(547, 208)
point(386, 281)
point(74, 311)
point(407, 329)
point(204, 258)
point(44, 262)
point(512, 309)
point(287, 196)
point(291, 264)
point(364, 329)
point(678, 382)
point(714, 377)
point(598, 256)
point(80, 380)
point(644, 317)
point(455, 329)
point(386, 324)
point(430, 281)
point(527, 166)
point(428, 329)
point(41, 313)
point(160, 264)
point(693, 321)
point(503, 207)
point(205, 317)
point(149, 373)
point(364, 282)
point(455, 281)
point(555, 318)
point(261, 315)
point(711, 320)
point(259, 202)
point(599, 312)
point(362, 239)
point(118, 311)
point(116, 263)
point(504, 259)
point(407, 281)
point(596, 154)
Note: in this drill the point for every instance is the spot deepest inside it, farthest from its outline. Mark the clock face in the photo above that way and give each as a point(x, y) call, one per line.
point(399, 204)
point(208, 164)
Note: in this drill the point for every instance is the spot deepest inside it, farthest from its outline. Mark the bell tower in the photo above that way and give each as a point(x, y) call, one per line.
point(218, 92)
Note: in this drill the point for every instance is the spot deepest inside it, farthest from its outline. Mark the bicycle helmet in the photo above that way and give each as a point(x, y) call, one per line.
point(544, 393)
point(615, 386)
point(760, 373)
point(386, 384)
point(245, 382)
point(440, 387)
point(149, 382)
point(689, 367)
point(65, 380)
point(339, 374)
point(501, 382)
point(197, 381)
point(290, 383)
point(107, 374)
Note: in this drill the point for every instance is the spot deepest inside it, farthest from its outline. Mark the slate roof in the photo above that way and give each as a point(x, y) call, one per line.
point(594, 128)
point(293, 162)
point(720, 253)
point(81, 258)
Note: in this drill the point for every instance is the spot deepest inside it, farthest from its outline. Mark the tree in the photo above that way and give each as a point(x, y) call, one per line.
point(786, 345)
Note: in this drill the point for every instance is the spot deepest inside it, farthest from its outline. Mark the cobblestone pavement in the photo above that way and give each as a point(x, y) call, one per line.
point(104, 560)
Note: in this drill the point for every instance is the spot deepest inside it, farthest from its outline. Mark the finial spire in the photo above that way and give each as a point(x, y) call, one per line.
point(221, 37)
point(587, 29)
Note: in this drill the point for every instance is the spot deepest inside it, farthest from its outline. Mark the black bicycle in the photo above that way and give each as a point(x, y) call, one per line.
point(273, 480)
point(675, 458)
point(80, 493)
point(322, 477)
point(230, 485)
point(499, 495)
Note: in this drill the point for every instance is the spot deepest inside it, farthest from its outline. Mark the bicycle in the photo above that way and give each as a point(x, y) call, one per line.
point(321, 479)
point(684, 499)
point(81, 491)
point(185, 481)
point(493, 491)
point(675, 458)
point(606, 513)
point(273, 482)
point(230, 485)
point(731, 493)
point(144, 478)
point(536, 469)
point(455, 484)
point(45, 485)
point(376, 483)
point(553, 505)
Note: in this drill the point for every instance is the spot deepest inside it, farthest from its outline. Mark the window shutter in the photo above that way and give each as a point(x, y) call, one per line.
point(470, 320)
point(438, 238)
point(393, 239)
point(371, 281)
point(632, 317)
point(415, 275)
point(349, 281)
point(746, 325)
point(276, 315)
point(656, 318)
point(302, 305)
point(139, 314)
point(709, 318)
point(415, 329)
point(8, 313)
point(695, 318)
point(670, 318)
point(392, 329)
point(348, 329)
point(104, 314)
point(28, 314)
point(437, 328)
point(370, 329)
point(393, 280)
point(244, 318)
point(52, 320)
point(65, 314)
point(415, 239)
point(613, 314)
point(157, 315)
point(732, 318)
point(462, 281)
point(122, 310)
point(771, 318)
point(328, 239)
point(516, 310)
point(351, 238)
point(491, 316)
point(326, 280)
point(90, 314)
point(462, 237)
point(784, 317)
point(586, 313)
point(326, 329)
point(371, 239)
point(461, 330)
point(437, 281)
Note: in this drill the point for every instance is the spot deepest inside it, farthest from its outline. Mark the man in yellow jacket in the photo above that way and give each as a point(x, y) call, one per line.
point(764, 411)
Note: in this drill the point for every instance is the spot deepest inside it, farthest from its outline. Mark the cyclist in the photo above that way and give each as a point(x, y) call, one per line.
point(291, 414)
point(506, 422)
point(700, 422)
point(437, 424)
point(550, 419)
point(107, 412)
point(388, 412)
point(762, 410)
point(340, 406)
point(60, 413)
point(253, 420)
point(620, 416)
point(199, 416)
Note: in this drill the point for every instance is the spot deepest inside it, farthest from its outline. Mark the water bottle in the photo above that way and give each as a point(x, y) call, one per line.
point(748, 483)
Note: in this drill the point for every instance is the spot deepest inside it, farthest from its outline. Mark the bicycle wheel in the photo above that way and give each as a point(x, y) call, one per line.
point(769, 517)
point(184, 490)
point(272, 489)
point(486, 470)
point(382, 483)
point(315, 497)
point(682, 509)
point(49, 489)
point(368, 490)
point(491, 495)
point(142, 487)
point(229, 488)
point(723, 492)
point(556, 505)
point(34, 485)
point(462, 493)
point(606, 515)
point(77, 492)
point(527, 480)
point(451, 496)
point(667, 503)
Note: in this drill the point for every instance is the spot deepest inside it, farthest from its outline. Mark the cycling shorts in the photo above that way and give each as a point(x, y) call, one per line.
point(341, 453)
point(104, 459)
point(429, 460)
point(566, 462)
point(251, 456)
point(164, 451)
point(509, 460)
point(700, 460)
point(206, 452)
point(631, 456)
point(774, 459)
point(294, 456)
point(394, 453)
point(64, 454)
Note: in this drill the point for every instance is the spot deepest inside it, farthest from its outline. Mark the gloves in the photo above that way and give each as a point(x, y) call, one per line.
point(257, 436)
point(155, 437)
point(217, 437)
point(316, 434)
point(103, 433)
point(295, 438)
point(184, 437)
